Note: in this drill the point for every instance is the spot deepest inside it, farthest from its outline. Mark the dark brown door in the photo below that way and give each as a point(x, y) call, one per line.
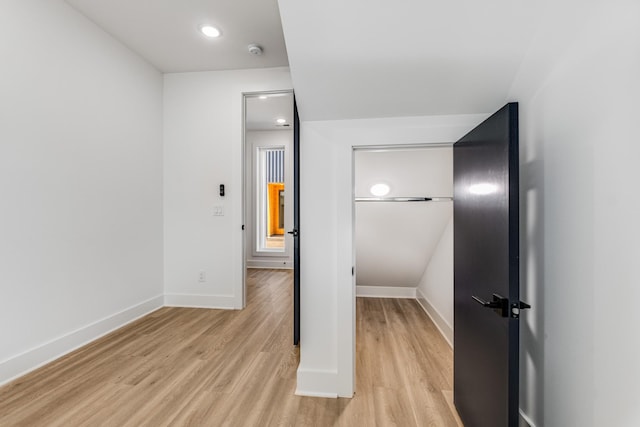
point(486, 272)
point(296, 224)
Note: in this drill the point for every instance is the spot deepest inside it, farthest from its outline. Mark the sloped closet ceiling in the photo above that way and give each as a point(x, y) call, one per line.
point(365, 59)
point(395, 240)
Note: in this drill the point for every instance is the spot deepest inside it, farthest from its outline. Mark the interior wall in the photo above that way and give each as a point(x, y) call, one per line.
point(435, 290)
point(578, 91)
point(203, 122)
point(327, 347)
point(253, 140)
point(81, 184)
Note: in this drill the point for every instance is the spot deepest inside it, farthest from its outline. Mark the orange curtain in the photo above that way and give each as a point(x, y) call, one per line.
point(273, 191)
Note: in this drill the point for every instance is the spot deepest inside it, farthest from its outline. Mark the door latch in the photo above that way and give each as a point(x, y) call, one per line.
point(501, 306)
point(516, 307)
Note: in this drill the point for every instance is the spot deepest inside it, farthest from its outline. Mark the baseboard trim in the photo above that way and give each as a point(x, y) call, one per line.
point(317, 383)
point(37, 357)
point(200, 301)
point(385, 292)
point(443, 326)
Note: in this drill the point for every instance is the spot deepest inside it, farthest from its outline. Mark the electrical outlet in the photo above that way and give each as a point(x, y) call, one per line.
point(218, 211)
point(202, 276)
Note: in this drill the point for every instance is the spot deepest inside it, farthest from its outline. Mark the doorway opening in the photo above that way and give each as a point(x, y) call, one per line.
point(403, 213)
point(268, 181)
point(403, 243)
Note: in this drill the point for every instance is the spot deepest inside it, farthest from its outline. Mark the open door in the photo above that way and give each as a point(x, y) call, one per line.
point(486, 272)
point(296, 224)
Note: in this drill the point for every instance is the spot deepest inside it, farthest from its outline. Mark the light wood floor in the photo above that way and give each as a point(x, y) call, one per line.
point(199, 367)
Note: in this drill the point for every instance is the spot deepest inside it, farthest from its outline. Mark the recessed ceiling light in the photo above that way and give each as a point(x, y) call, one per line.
point(210, 31)
point(263, 97)
point(281, 121)
point(379, 190)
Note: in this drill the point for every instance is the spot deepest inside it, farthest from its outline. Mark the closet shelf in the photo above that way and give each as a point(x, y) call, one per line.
point(403, 199)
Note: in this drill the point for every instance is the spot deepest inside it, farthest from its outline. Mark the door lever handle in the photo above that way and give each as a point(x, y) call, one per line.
point(488, 304)
point(293, 232)
point(499, 304)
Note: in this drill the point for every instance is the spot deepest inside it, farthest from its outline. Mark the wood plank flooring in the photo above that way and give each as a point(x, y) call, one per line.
point(199, 367)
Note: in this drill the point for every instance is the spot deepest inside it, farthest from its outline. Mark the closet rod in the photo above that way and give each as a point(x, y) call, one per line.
point(403, 199)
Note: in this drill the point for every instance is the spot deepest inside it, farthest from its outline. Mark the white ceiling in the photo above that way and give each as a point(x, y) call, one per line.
point(166, 33)
point(355, 59)
point(261, 114)
point(375, 58)
point(416, 172)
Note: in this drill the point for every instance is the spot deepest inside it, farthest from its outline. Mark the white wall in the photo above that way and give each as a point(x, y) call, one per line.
point(80, 183)
point(578, 91)
point(435, 290)
point(395, 240)
point(327, 236)
point(203, 149)
point(254, 140)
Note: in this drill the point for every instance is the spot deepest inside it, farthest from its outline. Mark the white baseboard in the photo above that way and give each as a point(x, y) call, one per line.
point(30, 360)
point(443, 326)
point(317, 383)
point(278, 265)
point(385, 292)
point(200, 301)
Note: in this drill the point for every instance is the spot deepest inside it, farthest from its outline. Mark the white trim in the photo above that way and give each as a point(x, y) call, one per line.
point(443, 326)
point(316, 394)
point(21, 364)
point(227, 302)
point(316, 383)
point(278, 265)
point(385, 292)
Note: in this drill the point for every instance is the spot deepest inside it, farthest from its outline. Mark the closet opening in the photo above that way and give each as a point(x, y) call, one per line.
point(403, 225)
